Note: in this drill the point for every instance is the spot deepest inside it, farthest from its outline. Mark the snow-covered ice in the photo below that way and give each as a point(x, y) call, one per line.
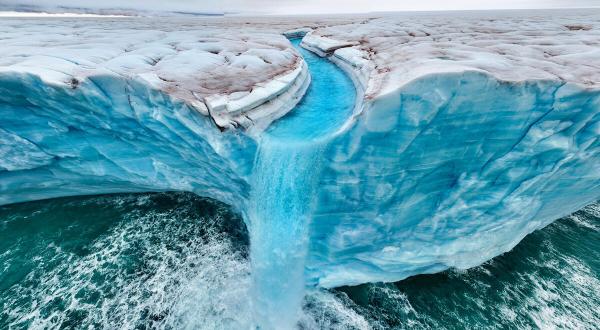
point(510, 45)
point(214, 70)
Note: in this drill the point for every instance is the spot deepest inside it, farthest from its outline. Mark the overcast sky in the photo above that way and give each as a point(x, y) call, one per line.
point(306, 6)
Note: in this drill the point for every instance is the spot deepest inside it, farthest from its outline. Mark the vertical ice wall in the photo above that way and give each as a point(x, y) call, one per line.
point(112, 134)
point(450, 171)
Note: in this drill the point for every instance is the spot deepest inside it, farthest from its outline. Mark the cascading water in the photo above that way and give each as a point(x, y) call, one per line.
point(282, 199)
point(285, 175)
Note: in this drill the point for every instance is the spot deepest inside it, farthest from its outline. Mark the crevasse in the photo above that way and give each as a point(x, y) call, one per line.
point(447, 170)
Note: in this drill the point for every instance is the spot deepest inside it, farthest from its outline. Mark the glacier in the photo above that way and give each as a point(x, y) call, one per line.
point(408, 163)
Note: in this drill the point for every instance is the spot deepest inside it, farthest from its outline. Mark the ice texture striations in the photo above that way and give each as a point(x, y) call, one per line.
point(475, 165)
point(460, 136)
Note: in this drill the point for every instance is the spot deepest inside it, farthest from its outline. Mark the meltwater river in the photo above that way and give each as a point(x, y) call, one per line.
point(285, 176)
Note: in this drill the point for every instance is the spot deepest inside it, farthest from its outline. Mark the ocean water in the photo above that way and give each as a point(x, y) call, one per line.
point(550, 280)
point(178, 261)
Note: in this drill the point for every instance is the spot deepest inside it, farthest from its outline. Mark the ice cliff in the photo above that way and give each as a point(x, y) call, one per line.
point(493, 122)
point(469, 132)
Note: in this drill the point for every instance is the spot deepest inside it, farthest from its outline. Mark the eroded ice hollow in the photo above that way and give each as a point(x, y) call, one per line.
point(456, 148)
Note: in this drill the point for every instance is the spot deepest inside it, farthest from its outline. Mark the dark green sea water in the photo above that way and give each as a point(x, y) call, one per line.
point(176, 261)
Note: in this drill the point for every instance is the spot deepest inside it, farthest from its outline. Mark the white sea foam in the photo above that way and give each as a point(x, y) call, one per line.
point(162, 269)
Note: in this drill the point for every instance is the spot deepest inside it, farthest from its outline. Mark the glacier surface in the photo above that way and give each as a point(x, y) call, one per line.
point(465, 136)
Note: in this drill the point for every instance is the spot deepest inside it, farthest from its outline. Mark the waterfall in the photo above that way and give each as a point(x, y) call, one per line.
point(284, 184)
point(283, 189)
